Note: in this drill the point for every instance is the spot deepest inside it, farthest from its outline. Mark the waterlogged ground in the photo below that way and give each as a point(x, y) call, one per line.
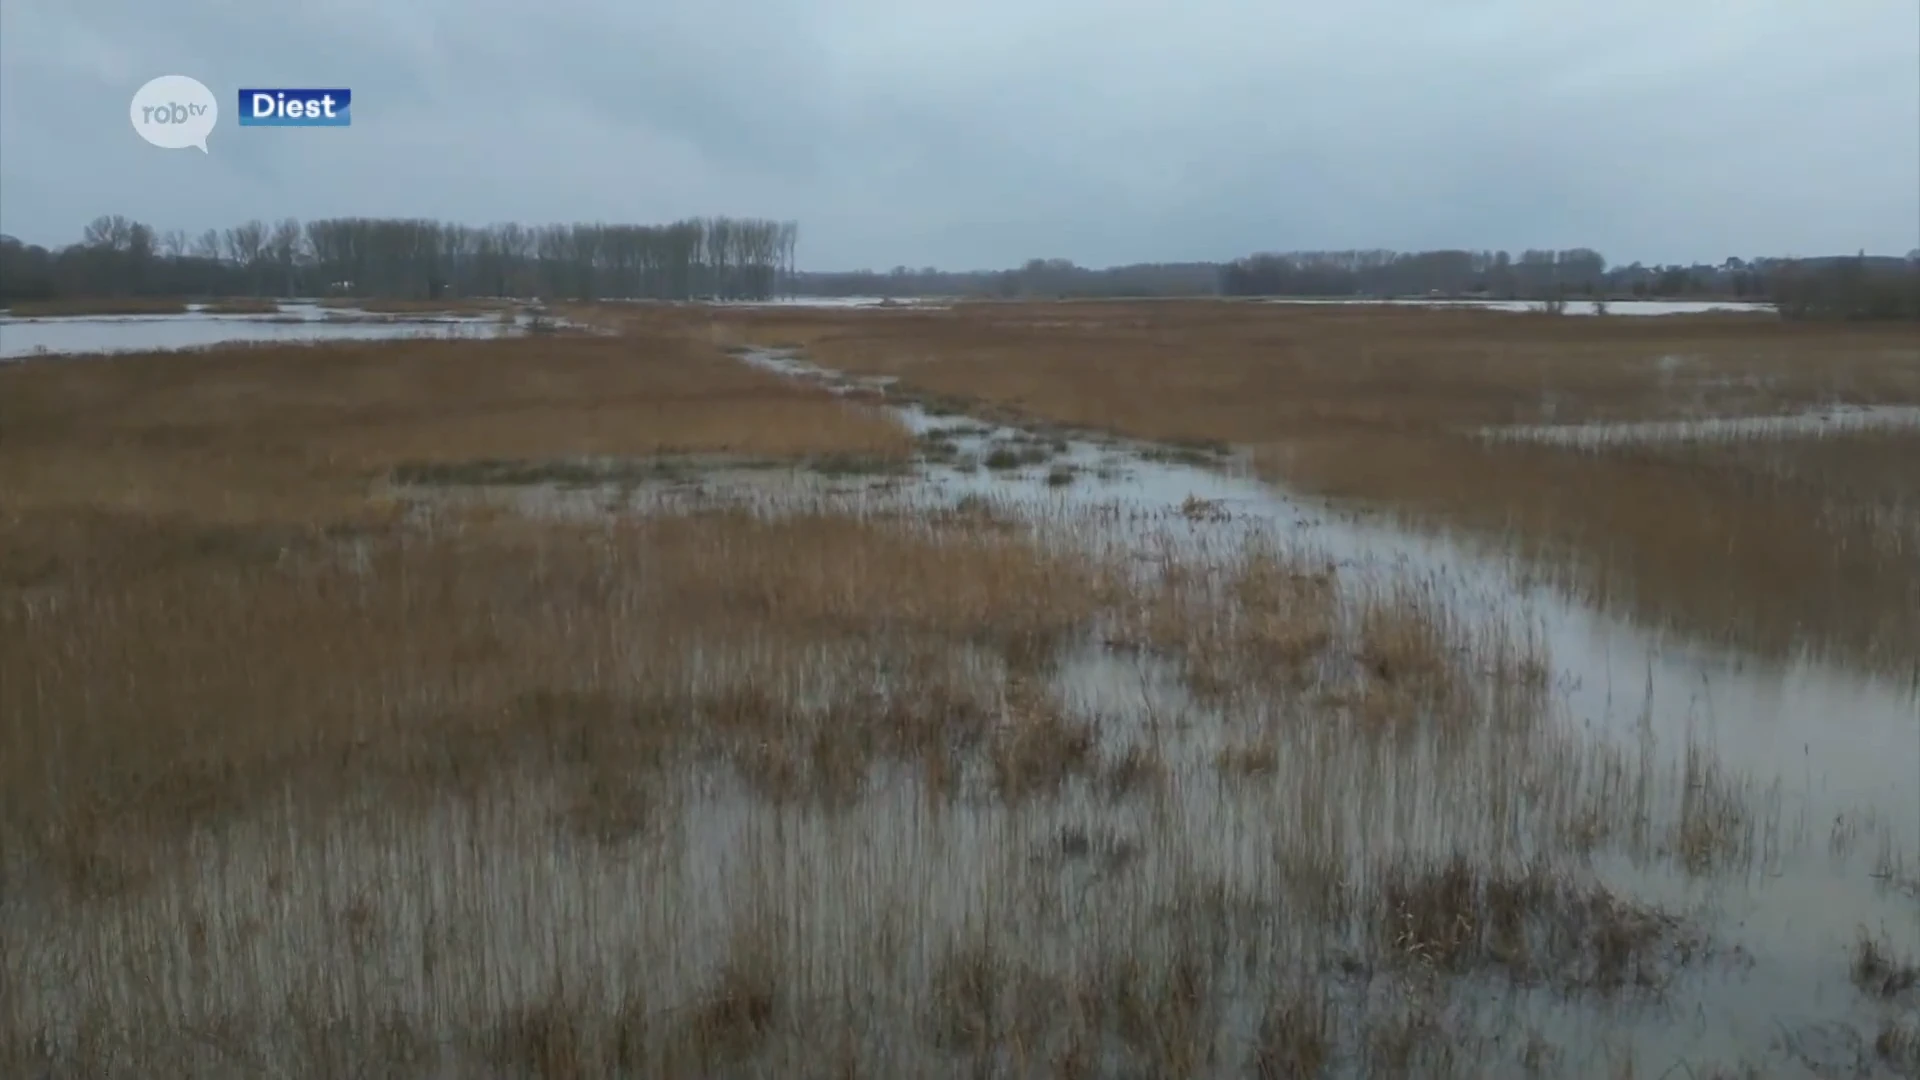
point(1835, 420)
point(50, 335)
point(1672, 853)
point(1574, 306)
point(844, 302)
point(1763, 719)
point(295, 321)
point(1271, 791)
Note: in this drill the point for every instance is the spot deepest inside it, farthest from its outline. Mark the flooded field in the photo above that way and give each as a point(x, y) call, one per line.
point(1573, 306)
point(1819, 422)
point(840, 302)
point(739, 716)
point(199, 327)
point(204, 325)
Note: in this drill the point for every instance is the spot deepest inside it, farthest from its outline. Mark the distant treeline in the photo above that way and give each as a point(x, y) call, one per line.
point(1534, 275)
point(1038, 278)
point(1852, 287)
point(1841, 287)
point(726, 258)
point(752, 259)
point(1847, 288)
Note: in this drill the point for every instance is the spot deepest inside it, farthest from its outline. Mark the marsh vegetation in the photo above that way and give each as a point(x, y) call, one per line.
point(310, 767)
point(1752, 536)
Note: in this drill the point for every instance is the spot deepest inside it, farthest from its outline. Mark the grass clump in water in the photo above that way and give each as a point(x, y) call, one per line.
point(1878, 972)
point(1007, 456)
point(242, 305)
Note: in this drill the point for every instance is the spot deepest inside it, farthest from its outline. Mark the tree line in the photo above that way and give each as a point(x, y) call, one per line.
point(411, 258)
point(1303, 274)
point(1535, 274)
point(753, 259)
point(1037, 278)
point(1846, 287)
point(1853, 287)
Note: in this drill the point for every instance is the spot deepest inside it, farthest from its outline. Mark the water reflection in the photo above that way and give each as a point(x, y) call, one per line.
point(62, 335)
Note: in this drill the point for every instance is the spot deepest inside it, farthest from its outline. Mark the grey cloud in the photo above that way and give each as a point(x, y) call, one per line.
point(986, 133)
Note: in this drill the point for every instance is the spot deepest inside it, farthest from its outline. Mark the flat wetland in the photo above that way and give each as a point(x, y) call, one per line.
point(1006, 690)
point(145, 326)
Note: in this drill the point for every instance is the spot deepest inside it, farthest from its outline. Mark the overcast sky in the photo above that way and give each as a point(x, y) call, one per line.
point(982, 133)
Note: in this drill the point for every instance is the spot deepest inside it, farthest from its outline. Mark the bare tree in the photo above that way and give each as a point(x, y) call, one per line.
point(109, 231)
point(246, 243)
point(285, 249)
point(735, 258)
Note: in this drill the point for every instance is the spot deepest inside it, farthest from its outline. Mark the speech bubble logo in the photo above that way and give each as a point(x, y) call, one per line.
point(174, 112)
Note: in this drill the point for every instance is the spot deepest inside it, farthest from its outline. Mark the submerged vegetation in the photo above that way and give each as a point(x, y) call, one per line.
point(309, 767)
point(1789, 541)
point(858, 698)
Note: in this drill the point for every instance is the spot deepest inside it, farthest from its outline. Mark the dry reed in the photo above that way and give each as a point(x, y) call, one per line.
point(1778, 545)
point(96, 305)
point(288, 787)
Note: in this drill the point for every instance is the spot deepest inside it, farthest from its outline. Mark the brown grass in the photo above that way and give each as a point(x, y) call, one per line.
point(392, 306)
point(1140, 768)
point(1898, 1045)
point(1529, 925)
point(1259, 622)
point(1407, 646)
point(97, 305)
point(242, 305)
point(137, 691)
point(1297, 1037)
point(311, 704)
point(307, 698)
point(1799, 544)
point(1252, 373)
point(301, 433)
point(1881, 973)
point(1777, 546)
point(291, 787)
point(207, 502)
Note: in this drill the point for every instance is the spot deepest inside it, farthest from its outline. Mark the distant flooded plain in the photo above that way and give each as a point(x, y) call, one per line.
point(197, 328)
point(308, 321)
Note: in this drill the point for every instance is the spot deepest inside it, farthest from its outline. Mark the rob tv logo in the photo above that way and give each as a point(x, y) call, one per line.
point(174, 112)
point(281, 107)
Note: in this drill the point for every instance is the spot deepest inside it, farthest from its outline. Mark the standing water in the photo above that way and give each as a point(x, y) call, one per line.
point(85, 334)
point(1832, 756)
